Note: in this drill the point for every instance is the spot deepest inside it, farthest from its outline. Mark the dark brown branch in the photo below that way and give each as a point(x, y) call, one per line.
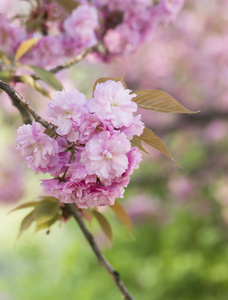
point(26, 117)
point(72, 210)
point(22, 103)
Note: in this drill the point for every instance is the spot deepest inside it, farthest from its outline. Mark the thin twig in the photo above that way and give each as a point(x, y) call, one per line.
point(72, 209)
point(73, 61)
point(21, 102)
point(66, 65)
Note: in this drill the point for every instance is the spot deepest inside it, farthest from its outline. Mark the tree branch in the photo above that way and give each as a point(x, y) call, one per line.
point(26, 117)
point(20, 103)
point(72, 210)
point(73, 61)
point(66, 65)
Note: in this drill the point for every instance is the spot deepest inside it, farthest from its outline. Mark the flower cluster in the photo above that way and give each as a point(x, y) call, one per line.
point(10, 37)
point(75, 34)
point(120, 26)
point(139, 22)
point(90, 154)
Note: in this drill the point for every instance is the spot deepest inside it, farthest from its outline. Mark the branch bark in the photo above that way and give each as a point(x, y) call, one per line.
point(23, 105)
point(26, 117)
point(73, 61)
point(72, 210)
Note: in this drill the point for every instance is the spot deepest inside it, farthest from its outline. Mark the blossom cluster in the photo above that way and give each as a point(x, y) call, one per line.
point(10, 37)
point(120, 26)
point(89, 155)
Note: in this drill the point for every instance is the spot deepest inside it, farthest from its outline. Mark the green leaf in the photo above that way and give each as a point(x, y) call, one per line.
point(48, 77)
point(48, 223)
point(105, 226)
point(44, 214)
point(5, 58)
point(104, 79)
point(122, 215)
point(25, 47)
point(68, 5)
point(149, 137)
point(5, 75)
point(159, 101)
point(29, 80)
point(136, 142)
point(25, 224)
point(45, 211)
point(25, 205)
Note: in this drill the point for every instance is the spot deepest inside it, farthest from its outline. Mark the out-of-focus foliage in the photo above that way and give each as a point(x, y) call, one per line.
point(180, 216)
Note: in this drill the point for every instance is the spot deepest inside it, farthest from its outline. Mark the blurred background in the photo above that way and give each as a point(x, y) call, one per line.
point(179, 216)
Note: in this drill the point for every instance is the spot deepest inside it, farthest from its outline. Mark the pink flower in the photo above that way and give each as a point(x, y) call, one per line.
point(105, 155)
point(46, 53)
point(77, 171)
point(167, 10)
point(84, 17)
point(85, 190)
point(135, 128)
point(121, 40)
point(66, 111)
point(113, 102)
point(64, 158)
point(97, 195)
point(10, 37)
point(53, 187)
point(80, 29)
point(40, 150)
point(92, 124)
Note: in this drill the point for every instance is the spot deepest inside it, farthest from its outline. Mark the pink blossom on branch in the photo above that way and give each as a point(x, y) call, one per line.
point(113, 102)
point(79, 30)
point(91, 155)
point(10, 37)
point(66, 111)
point(47, 52)
point(105, 155)
point(40, 150)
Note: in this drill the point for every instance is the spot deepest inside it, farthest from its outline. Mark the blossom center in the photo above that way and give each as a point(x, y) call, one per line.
point(107, 154)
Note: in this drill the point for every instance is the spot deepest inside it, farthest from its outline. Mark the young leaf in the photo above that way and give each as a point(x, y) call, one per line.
point(104, 79)
point(68, 5)
point(136, 142)
point(159, 101)
point(45, 211)
point(104, 225)
point(5, 75)
point(25, 47)
point(122, 215)
point(151, 139)
point(47, 224)
point(5, 59)
point(25, 224)
point(29, 80)
point(25, 205)
point(48, 77)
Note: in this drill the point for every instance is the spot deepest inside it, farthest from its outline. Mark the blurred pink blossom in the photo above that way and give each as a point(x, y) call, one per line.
point(181, 187)
point(143, 206)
